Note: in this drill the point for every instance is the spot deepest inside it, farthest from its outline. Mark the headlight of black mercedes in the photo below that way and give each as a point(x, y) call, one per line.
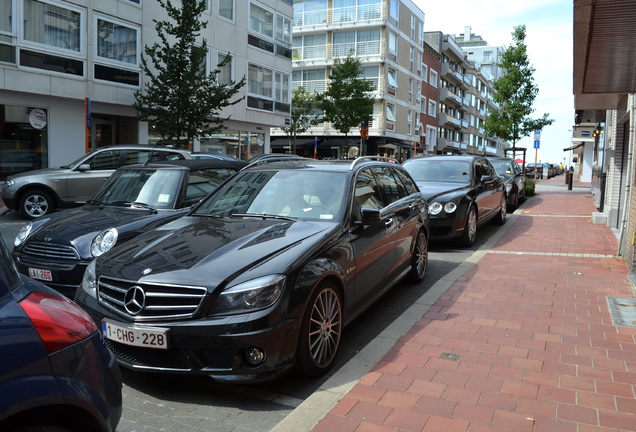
point(250, 296)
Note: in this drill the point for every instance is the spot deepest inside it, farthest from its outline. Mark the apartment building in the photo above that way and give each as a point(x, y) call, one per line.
point(465, 91)
point(69, 70)
point(387, 37)
point(431, 64)
point(478, 50)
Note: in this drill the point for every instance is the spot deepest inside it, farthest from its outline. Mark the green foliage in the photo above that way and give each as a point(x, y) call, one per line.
point(304, 106)
point(515, 92)
point(348, 100)
point(180, 97)
point(530, 185)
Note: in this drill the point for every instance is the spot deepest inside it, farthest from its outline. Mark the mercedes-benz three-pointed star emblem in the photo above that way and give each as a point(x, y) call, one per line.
point(134, 300)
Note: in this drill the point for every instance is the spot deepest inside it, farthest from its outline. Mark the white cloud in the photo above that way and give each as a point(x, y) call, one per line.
point(549, 40)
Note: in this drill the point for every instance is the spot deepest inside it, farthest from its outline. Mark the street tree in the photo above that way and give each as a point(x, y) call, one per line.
point(303, 114)
point(180, 97)
point(514, 94)
point(348, 100)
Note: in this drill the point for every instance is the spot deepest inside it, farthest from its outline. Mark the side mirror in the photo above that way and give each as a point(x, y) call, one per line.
point(84, 167)
point(486, 179)
point(370, 216)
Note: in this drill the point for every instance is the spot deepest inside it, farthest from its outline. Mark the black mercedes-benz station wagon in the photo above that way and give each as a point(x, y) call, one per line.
point(264, 274)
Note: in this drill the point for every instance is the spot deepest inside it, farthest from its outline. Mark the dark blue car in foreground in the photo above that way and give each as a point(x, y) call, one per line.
point(56, 373)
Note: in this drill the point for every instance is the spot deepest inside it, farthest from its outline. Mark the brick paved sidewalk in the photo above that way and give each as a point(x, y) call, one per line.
point(522, 341)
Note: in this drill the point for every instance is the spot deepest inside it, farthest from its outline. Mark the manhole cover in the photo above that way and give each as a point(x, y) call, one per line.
point(623, 311)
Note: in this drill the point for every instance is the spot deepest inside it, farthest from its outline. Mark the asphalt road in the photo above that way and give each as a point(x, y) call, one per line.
point(158, 402)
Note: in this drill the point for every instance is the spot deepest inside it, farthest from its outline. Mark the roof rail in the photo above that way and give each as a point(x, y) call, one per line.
point(362, 159)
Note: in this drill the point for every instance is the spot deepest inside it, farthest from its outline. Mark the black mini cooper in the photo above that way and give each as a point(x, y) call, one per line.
point(264, 274)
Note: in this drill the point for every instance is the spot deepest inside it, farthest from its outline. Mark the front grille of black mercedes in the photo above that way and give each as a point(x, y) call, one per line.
point(173, 358)
point(51, 250)
point(161, 302)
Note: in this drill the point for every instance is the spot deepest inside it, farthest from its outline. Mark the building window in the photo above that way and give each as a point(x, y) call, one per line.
point(261, 21)
point(390, 113)
point(226, 74)
point(117, 42)
point(410, 90)
point(413, 26)
point(423, 106)
point(392, 77)
point(7, 36)
point(313, 80)
point(433, 78)
point(393, 43)
point(412, 58)
point(409, 122)
point(226, 9)
point(432, 108)
point(487, 57)
point(310, 47)
point(283, 36)
point(424, 72)
point(52, 26)
point(394, 11)
point(362, 43)
point(267, 89)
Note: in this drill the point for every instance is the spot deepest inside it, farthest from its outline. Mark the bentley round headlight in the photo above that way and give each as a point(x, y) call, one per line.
point(23, 234)
point(450, 207)
point(434, 208)
point(104, 241)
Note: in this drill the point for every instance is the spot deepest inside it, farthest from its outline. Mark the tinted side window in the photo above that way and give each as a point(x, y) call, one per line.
point(392, 189)
point(408, 183)
point(106, 160)
point(201, 183)
point(488, 168)
point(367, 193)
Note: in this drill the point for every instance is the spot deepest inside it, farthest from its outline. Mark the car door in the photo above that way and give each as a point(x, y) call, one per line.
point(484, 190)
point(404, 210)
point(373, 244)
point(81, 184)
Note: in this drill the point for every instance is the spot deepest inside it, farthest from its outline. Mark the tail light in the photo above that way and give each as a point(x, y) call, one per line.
point(58, 321)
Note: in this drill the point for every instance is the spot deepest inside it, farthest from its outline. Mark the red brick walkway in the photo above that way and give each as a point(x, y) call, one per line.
point(523, 341)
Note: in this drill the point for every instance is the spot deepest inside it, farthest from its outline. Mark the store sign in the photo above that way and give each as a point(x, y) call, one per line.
point(37, 118)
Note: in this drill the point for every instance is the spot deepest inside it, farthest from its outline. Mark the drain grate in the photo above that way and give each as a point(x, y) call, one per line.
point(623, 311)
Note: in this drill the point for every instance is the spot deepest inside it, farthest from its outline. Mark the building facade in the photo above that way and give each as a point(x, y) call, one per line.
point(69, 70)
point(431, 64)
point(387, 37)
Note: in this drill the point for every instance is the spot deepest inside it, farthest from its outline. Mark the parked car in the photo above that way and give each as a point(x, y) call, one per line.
point(514, 178)
point(216, 156)
point(271, 157)
point(39, 192)
point(463, 192)
point(532, 167)
point(264, 274)
point(56, 249)
point(56, 372)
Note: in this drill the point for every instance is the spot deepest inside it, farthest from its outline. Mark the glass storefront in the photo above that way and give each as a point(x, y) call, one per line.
point(23, 139)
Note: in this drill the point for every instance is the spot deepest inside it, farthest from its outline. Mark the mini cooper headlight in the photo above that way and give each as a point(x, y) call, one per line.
point(89, 282)
point(104, 241)
point(249, 296)
point(23, 234)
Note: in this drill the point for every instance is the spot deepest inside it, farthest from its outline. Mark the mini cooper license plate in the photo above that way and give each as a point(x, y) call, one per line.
point(134, 336)
point(41, 274)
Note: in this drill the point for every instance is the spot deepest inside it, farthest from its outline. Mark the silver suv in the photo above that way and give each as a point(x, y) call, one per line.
point(39, 192)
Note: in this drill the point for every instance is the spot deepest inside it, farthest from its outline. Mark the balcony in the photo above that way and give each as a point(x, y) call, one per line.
point(448, 71)
point(351, 16)
point(448, 120)
point(446, 95)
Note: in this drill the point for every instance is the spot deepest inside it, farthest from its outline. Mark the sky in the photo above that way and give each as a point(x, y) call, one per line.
point(549, 42)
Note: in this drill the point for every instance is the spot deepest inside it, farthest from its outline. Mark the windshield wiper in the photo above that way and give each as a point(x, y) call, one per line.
point(262, 216)
point(95, 202)
point(135, 204)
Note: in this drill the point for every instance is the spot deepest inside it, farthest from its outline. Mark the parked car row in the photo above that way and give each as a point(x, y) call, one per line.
point(246, 272)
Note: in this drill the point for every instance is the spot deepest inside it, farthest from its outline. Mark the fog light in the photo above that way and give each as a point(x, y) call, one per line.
point(255, 356)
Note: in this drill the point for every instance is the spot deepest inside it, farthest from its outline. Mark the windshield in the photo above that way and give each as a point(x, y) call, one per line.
point(432, 170)
point(503, 167)
point(156, 188)
point(305, 194)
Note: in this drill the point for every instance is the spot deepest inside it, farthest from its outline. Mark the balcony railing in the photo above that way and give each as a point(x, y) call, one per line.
point(359, 49)
point(351, 14)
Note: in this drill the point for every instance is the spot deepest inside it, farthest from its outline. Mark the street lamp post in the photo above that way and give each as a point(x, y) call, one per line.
point(294, 118)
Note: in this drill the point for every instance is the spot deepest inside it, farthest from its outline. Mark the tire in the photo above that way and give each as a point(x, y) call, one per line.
point(502, 216)
point(320, 332)
point(36, 203)
point(419, 260)
point(513, 206)
point(470, 228)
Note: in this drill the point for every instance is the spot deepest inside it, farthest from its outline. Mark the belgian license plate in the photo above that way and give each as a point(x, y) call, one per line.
point(134, 336)
point(41, 274)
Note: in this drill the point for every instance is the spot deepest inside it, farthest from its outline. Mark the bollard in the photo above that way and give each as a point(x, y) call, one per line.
point(567, 176)
point(570, 177)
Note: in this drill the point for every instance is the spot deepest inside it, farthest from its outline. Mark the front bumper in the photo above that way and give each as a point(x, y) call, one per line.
point(67, 275)
point(216, 347)
point(445, 227)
